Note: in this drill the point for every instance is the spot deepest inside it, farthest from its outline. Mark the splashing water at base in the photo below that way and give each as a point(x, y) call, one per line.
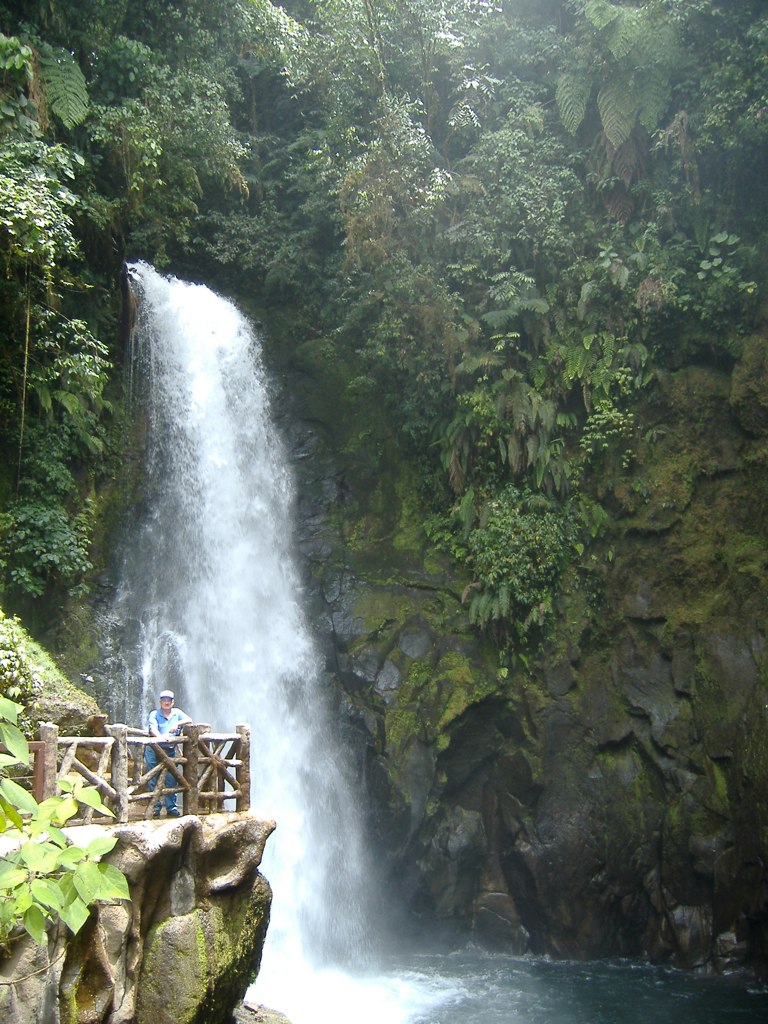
point(211, 583)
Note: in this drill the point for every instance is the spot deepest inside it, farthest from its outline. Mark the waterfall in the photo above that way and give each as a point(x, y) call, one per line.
point(210, 603)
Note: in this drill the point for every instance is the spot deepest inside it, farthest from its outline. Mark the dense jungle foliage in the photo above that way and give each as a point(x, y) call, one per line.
point(506, 217)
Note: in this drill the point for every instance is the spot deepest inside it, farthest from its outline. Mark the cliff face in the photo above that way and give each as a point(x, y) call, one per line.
point(610, 797)
point(183, 951)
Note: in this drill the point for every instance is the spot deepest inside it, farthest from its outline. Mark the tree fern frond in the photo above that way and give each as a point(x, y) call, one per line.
point(620, 206)
point(627, 161)
point(547, 414)
point(533, 304)
point(481, 608)
point(572, 94)
point(482, 361)
point(600, 13)
point(498, 318)
point(520, 408)
point(651, 90)
point(609, 347)
point(625, 33)
point(65, 87)
point(535, 401)
point(533, 447)
point(467, 510)
point(577, 359)
point(456, 473)
point(657, 44)
point(584, 296)
point(616, 104)
point(514, 453)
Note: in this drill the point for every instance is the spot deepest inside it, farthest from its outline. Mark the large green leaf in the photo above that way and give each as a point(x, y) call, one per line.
point(35, 922)
point(9, 709)
point(87, 881)
point(18, 796)
point(90, 796)
point(39, 857)
point(70, 857)
point(15, 741)
point(100, 845)
point(10, 813)
point(114, 884)
point(74, 914)
point(12, 875)
point(48, 892)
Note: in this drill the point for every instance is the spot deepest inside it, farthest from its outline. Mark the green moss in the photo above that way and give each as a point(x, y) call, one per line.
point(430, 699)
point(202, 950)
point(29, 675)
point(719, 782)
point(632, 795)
point(464, 685)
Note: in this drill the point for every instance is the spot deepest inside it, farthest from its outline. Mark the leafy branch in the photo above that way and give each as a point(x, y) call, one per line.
point(44, 876)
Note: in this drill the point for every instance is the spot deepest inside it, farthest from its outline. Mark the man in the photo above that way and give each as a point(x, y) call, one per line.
point(165, 720)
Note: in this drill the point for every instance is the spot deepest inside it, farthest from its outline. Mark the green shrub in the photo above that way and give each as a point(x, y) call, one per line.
point(518, 554)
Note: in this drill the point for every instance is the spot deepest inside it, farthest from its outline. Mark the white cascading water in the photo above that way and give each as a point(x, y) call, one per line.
point(212, 583)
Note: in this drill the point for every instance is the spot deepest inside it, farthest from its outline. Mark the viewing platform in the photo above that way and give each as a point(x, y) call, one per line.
point(209, 770)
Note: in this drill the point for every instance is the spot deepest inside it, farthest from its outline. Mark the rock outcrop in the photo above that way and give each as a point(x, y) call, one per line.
point(608, 797)
point(182, 951)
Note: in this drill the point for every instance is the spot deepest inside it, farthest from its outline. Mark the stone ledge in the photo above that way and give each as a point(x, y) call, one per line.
point(198, 904)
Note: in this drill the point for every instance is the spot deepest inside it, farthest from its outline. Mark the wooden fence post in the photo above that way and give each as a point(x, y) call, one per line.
point(49, 734)
point(119, 733)
point(190, 798)
point(98, 725)
point(243, 799)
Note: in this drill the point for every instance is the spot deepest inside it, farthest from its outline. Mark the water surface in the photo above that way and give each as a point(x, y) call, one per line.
point(475, 989)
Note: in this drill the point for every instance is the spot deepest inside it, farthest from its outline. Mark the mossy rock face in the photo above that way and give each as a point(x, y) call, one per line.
point(197, 965)
point(749, 387)
point(30, 675)
point(544, 807)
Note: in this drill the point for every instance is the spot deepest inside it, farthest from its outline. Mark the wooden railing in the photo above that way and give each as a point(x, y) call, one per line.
point(208, 770)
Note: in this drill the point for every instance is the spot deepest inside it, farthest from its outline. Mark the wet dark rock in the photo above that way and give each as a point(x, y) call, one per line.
point(611, 797)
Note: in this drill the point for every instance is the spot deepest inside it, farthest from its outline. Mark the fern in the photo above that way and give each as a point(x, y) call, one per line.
point(618, 110)
point(514, 453)
point(547, 415)
point(520, 407)
point(627, 161)
point(481, 361)
point(652, 95)
point(464, 115)
point(577, 359)
point(600, 13)
point(455, 473)
point(620, 206)
point(625, 34)
point(572, 95)
point(533, 447)
point(467, 510)
point(586, 293)
point(532, 304)
point(66, 90)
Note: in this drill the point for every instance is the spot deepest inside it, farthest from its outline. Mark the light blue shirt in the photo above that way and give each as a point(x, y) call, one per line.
point(163, 725)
